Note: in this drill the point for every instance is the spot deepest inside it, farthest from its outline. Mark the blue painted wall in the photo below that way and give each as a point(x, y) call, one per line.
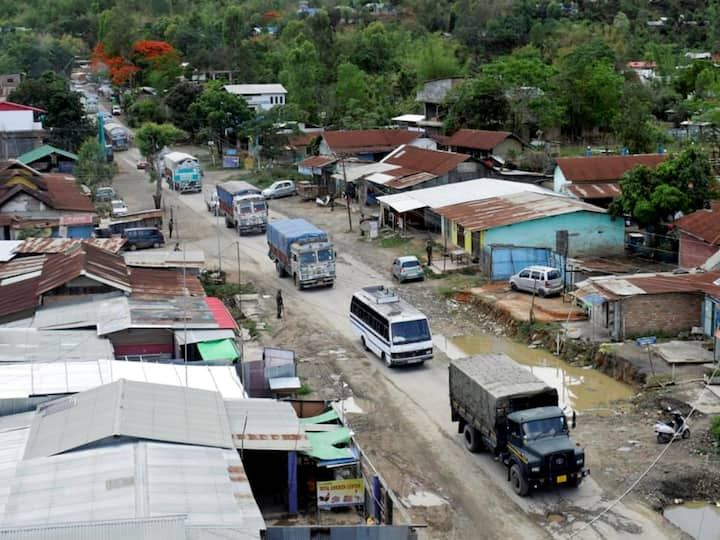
point(591, 233)
point(75, 231)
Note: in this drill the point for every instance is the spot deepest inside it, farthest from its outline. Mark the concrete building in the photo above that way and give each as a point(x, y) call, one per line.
point(20, 129)
point(699, 236)
point(8, 83)
point(432, 98)
point(261, 97)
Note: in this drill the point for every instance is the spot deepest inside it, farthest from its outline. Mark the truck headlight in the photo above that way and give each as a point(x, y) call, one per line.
point(580, 460)
point(534, 469)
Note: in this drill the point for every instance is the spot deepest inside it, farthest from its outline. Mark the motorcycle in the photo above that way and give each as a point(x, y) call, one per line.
point(666, 431)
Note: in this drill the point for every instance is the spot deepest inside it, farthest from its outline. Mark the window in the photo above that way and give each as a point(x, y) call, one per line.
point(525, 274)
point(325, 255)
point(377, 323)
point(410, 331)
point(547, 427)
point(307, 258)
point(410, 264)
point(553, 274)
point(536, 275)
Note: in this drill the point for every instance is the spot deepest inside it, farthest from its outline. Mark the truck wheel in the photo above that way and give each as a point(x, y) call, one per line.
point(518, 481)
point(364, 345)
point(471, 438)
point(575, 482)
point(686, 434)
point(133, 247)
point(296, 280)
point(280, 269)
point(387, 359)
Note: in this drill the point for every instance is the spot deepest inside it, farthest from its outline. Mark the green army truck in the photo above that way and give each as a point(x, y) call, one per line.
point(503, 408)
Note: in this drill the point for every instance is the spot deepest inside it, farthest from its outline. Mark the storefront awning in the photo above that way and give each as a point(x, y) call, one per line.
point(221, 349)
point(324, 445)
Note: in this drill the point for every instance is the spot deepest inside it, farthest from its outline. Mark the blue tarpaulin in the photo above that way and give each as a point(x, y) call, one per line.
point(284, 232)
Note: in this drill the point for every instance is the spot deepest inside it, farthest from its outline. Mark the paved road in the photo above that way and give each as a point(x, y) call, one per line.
point(479, 483)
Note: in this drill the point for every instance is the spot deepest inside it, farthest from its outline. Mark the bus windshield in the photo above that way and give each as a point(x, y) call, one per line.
point(410, 331)
point(325, 255)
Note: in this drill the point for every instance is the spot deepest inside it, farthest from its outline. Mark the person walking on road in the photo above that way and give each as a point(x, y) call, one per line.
point(170, 226)
point(279, 303)
point(429, 250)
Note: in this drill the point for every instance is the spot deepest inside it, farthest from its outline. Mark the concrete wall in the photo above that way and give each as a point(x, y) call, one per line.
point(648, 314)
point(591, 233)
point(694, 252)
point(506, 146)
point(17, 121)
point(559, 181)
point(26, 205)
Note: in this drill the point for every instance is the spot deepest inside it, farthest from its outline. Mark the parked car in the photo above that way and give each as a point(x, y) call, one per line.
point(544, 280)
point(281, 188)
point(116, 110)
point(142, 164)
point(105, 194)
point(407, 267)
point(143, 237)
point(118, 208)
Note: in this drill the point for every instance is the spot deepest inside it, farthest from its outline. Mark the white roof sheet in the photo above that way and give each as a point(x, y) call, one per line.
point(33, 345)
point(250, 89)
point(154, 528)
point(81, 315)
point(134, 480)
point(265, 424)
point(7, 249)
point(409, 118)
point(43, 378)
point(353, 173)
point(164, 259)
point(470, 190)
point(14, 431)
point(198, 336)
point(284, 383)
point(129, 409)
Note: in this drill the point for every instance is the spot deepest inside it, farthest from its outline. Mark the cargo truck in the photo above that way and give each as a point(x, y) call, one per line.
point(182, 172)
point(300, 250)
point(502, 407)
point(242, 205)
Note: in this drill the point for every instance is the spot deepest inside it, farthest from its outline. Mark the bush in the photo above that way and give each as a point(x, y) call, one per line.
point(715, 428)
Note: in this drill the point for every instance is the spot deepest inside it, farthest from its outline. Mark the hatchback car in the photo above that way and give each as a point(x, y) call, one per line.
point(281, 188)
point(143, 237)
point(116, 110)
point(544, 280)
point(142, 164)
point(408, 267)
point(105, 194)
point(118, 208)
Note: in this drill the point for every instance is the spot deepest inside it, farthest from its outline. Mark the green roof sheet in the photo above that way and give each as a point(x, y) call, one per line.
point(219, 349)
point(323, 444)
point(327, 416)
point(42, 151)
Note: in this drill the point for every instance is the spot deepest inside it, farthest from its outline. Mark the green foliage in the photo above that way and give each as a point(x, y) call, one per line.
point(178, 100)
point(146, 110)
point(634, 123)
point(393, 241)
point(435, 58)
point(478, 104)
point(92, 168)
point(150, 139)
point(715, 428)
point(65, 118)
point(302, 74)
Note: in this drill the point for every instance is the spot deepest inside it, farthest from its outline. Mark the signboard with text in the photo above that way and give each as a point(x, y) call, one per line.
point(339, 493)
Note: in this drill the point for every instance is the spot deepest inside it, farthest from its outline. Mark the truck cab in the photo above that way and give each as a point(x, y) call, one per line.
point(250, 213)
point(540, 451)
point(313, 264)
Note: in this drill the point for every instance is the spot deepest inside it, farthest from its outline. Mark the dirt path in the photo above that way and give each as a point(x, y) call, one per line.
point(406, 430)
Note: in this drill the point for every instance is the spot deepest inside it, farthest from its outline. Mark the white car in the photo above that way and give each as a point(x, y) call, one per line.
point(543, 280)
point(281, 188)
point(116, 110)
point(118, 207)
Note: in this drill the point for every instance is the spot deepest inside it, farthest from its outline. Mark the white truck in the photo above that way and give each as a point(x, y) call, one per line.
point(182, 172)
point(242, 206)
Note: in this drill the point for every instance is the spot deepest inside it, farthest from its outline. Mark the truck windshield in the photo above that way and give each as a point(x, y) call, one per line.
point(307, 258)
point(325, 255)
point(260, 206)
point(246, 209)
point(547, 427)
point(410, 331)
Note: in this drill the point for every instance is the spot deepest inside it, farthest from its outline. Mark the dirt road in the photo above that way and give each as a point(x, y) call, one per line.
point(406, 430)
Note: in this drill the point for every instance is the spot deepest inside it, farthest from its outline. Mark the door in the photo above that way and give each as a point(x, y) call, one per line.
point(524, 281)
point(535, 280)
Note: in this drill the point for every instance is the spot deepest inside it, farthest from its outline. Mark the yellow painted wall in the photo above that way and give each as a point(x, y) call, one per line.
point(453, 235)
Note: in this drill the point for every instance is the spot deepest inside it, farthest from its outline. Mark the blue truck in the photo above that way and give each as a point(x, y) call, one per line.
point(182, 172)
point(300, 250)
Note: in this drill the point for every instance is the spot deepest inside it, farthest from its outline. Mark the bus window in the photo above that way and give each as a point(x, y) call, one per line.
point(410, 331)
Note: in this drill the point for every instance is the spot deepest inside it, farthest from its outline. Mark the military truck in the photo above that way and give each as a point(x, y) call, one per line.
point(502, 407)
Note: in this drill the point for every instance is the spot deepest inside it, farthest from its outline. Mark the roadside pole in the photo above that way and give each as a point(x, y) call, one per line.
point(347, 196)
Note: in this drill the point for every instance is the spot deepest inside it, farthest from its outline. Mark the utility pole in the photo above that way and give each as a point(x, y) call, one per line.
point(217, 227)
point(347, 195)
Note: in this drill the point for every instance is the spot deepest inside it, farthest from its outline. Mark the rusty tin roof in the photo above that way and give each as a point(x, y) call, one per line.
point(703, 224)
point(598, 169)
point(477, 139)
point(368, 140)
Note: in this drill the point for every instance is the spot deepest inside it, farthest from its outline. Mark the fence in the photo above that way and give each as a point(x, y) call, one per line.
point(501, 262)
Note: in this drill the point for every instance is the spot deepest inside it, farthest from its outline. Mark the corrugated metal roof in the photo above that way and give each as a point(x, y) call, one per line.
point(19, 296)
point(659, 283)
point(48, 245)
point(178, 313)
point(198, 336)
point(703, 224)
point(408, 118)
point(163, 282)
point(221, 314)
point(317, 161)
point(595, 169)
point(165, 259)
point(8, 249)
point(152, 528)
point(129, 409)
point(132, 217)
point(87, 260)
point(32, 345)
point(43, 151)
point(113, 245)
point(516, 208)
point(368, 140)
point(477, 139)
point(265, 424)
point(410, 180)
point(595, 191)
point(65, 194)
point(134, 480)
point(14, 431)
point(446, 195)
point(251, 89)
point(85, 314)
point(22, 265)
point(352, 174)
point(63, 377)
point(424, 160)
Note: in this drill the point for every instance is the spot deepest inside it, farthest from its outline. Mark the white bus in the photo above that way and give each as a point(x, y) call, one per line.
point(390, 327)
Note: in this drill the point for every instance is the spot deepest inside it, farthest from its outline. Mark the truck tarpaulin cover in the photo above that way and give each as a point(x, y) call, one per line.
point(501, 381)
point(283, 233)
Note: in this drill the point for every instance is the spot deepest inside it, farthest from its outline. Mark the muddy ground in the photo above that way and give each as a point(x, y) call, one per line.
point(620, 445)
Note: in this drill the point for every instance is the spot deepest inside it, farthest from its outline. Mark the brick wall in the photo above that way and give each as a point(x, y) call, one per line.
point(647, 314)
point(694, 252)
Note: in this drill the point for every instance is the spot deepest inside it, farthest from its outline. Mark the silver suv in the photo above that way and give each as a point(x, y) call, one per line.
point(544, 280)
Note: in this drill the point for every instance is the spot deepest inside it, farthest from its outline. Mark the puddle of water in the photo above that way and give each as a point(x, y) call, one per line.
point(699, 519)
point(578, 388)
point(424, 498)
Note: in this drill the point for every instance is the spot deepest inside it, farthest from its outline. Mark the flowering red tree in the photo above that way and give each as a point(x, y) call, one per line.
point(149, 49)
point(119, 67)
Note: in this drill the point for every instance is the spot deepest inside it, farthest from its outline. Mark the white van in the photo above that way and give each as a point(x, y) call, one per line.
point(395, 331)
point(543, 280)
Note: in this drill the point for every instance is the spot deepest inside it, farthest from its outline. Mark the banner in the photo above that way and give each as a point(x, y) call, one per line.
point(338, 493)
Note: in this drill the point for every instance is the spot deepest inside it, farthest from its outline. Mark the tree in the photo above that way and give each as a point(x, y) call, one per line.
point(220, 113)
point(634, 124)
point(92, 167)
point(302, 75)
point(435, 59)
point(65, 116)
point(178, 100)
point(478, 104)
point(151, 138)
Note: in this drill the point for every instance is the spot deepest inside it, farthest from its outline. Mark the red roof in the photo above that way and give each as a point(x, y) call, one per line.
point(18, 297)
point(598, 169)
point(60, 268)
point(163, 282)
point(477, 139)
point(9, 106)
point(221, 314)
point(595, 191)
point(303, 139)
point(641, 65)
point(368, 140)
point(65, 194)
point(703, 224)
point(422, 160)
point(317, 161)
